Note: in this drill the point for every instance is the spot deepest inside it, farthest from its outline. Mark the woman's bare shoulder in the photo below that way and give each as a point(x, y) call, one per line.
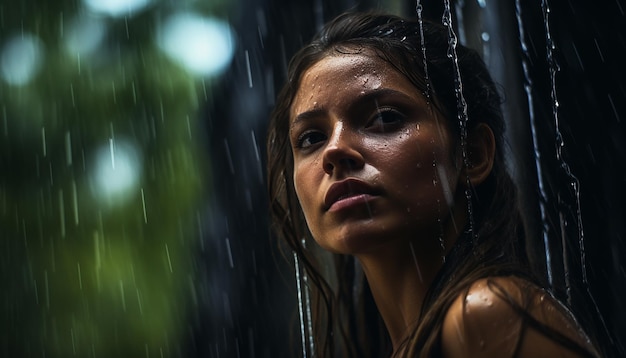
point(509, 316)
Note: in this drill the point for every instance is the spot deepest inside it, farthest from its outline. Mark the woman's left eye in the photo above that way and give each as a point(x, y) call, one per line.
point(384, 118)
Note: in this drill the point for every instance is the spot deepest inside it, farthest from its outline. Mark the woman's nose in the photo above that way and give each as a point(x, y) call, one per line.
point(343, 151)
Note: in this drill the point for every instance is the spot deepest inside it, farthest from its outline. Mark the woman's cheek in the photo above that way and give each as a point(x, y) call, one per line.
point(304, 183)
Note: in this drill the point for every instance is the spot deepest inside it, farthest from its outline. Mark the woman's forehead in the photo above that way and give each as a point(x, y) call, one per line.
point(361, 58)
point(346, 74)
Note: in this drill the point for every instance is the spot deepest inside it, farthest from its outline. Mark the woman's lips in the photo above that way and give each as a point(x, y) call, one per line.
point(347, 193)
point(349, 201)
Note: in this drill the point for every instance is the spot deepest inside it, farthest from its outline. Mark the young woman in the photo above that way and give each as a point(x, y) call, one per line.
point(369, 157)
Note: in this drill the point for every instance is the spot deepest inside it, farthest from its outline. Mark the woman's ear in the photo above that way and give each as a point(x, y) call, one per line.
point(481, 149)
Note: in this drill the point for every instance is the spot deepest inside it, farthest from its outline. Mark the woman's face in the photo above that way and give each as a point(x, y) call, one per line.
point(372, 162)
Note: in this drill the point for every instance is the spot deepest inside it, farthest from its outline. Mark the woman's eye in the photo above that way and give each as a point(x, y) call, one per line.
point(310, 138)
point(385, 118)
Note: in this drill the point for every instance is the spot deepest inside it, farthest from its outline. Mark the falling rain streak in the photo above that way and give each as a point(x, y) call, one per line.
point(122, 295)
point(595, 41)
point(62, 213)
point(75, 202)
point(229, 157)
point(249, 71)
point(169, 259)
point(420, 20)
point(543, 196)
point(307, 301)
point(139, 302)
point(112, 150)
point(230, 254)
point(80, 277)
point(301, 303)
point(143, 206)
point(68, 148)
point(72, 95)
point(461, 107)
point(574, 183)
point(43, 142)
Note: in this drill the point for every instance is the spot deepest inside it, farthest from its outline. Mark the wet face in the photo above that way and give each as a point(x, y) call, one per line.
point(372, 162)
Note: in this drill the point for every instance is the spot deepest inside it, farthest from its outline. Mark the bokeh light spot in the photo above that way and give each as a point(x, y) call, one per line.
point(116, 8)
point(22, 56)
point(117, 171)
point(204, 46)
point(84, 35)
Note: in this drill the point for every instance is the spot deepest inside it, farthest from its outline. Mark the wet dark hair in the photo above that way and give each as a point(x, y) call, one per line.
point(348, 324)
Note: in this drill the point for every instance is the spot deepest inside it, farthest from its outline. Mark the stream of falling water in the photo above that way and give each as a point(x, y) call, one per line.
point(543, 197)
point(420, 21)
point(553, 69)
point(461, 107)
point(309, 319)
point(307, 302)
point(300, 303)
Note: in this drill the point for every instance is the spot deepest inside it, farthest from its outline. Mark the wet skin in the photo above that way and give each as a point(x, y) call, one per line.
point(372, 160)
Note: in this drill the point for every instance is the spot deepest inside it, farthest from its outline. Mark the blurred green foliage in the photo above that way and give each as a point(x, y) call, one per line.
point(85, 273)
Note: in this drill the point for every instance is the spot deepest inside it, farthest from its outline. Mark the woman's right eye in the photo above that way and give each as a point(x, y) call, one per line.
point(385, 118)
point(309, 139)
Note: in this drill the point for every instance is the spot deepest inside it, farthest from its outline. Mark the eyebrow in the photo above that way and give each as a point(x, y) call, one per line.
point(308, 115)
point(371, 96)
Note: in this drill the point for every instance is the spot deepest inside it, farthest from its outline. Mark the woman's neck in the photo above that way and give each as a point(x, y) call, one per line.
point(399, 281)
point(400, 274)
